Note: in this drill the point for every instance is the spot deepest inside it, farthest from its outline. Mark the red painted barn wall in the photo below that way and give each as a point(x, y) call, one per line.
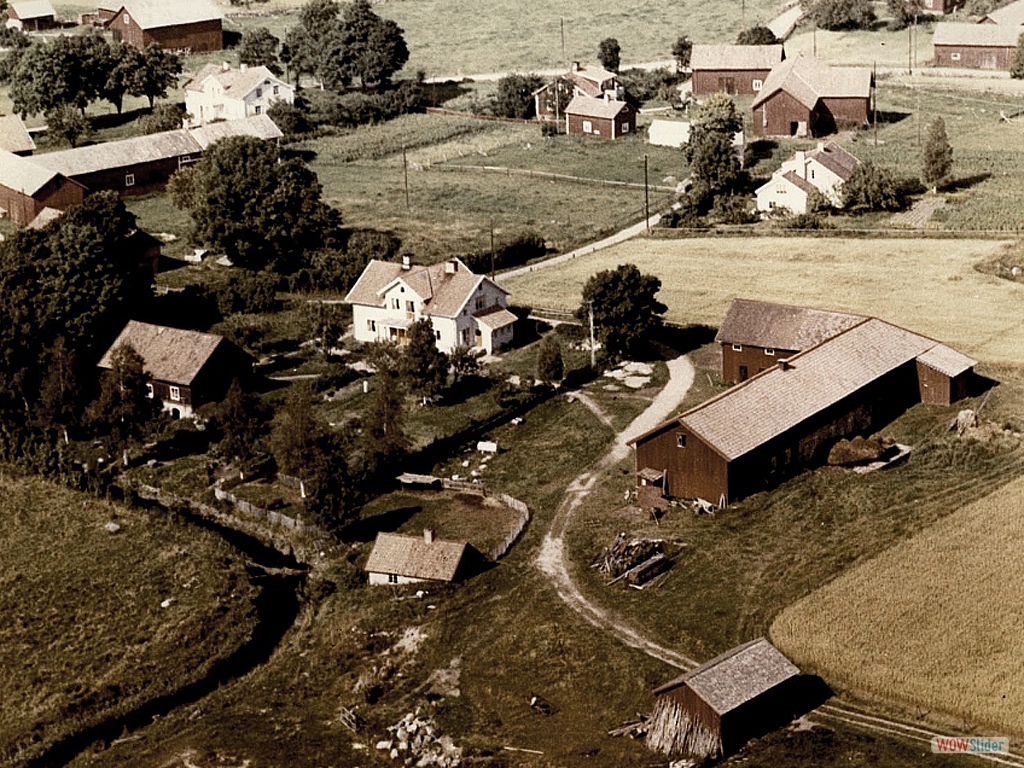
point(846, 110)
point(693, 471)
point(707, 81)
point(194, 38)
point(753, 358)
point(148, 177)
point(974, 56)
point(776, 114)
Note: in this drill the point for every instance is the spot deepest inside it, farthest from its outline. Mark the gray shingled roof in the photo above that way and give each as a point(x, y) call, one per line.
point(413, 557)
point(807, 79)
point(14, 137)
point(237, 83)
point(781, 326)
point(586, 106)
point(836, 159)
point(777, 400)
point(495, 317)
point(257, 126)
point(169, 354)
point(1009, 15)
point(798, 182)
point(22, 174)
point(444, 293)
point(33, 9)
point(737, 676)
point(947, 361)
point(981, 35)
point(153, 14)
point(735, 56)
point(120, 154)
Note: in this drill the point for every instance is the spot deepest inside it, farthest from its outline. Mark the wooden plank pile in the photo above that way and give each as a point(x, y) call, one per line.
point(672, 731)
point(635, 560)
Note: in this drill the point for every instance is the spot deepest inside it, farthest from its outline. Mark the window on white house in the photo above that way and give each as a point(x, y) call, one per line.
point(437, 335)
point(149, 391)
point(737, 347)
point(277, 89)
point(770, 352)
point(410, 306)
point(392, 578)
point(680, 441)
point(812, 174)
point(129, 180)
point(258, 109)
point(371, 325)
point(588, 127)
point(396, 303)
point(955, 56)
point(175, 394)
point(259, 93)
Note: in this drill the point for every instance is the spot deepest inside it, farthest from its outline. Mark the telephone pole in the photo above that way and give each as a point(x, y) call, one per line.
point(492, 247)
point(405, 170)
point(561, 23)
point(593, 349)
point(647, 198)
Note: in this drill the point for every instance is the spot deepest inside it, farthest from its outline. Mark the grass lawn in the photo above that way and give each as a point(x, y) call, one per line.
point(935, 622)
point(84, 635)
point(928, 286)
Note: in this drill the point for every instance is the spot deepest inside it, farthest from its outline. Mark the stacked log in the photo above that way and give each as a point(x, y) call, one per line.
point(625, 554)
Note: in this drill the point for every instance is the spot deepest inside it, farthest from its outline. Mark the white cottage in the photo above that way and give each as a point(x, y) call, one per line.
point(824, 169)
point(224, 93)
point(465, 309)
point(401, 559)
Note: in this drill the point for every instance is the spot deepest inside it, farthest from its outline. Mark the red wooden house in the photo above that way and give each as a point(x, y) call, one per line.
point(580, 80)
point(26, 189)
point(605, 118)
point(805, 97)
point(185, 368)
point(187, 26)
point(787, 417)
point(733, 69)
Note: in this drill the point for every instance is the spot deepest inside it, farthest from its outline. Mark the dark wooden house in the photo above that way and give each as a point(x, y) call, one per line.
point(184, 26)
point(936, 7)
point(786, 418)
point(185, 368)
point(580, 80)
point(733, 69)
point(32, 15)
point(26, 189)
point(976, 46)
point(755, 335)
point(805, 97)
point(605, 118)
point(716, 708)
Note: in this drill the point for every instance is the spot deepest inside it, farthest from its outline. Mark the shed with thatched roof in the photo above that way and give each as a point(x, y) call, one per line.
point(717, 707)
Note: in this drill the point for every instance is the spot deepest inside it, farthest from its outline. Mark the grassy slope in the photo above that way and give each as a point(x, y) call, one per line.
point(936, 621)
point(84, 636)
point(929, 286)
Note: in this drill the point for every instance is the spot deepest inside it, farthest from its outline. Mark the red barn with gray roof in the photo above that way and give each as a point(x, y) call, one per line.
point(977, 46)
point(787, 417)
point(717, 707)
point(27, 188)
point(606, 118)
point(732, 69)
point(187, 26)
point(806, 97)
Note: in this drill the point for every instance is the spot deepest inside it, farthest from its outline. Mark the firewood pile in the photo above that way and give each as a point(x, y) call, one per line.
point(415, 741)
point(635, 729)
point(635, 560)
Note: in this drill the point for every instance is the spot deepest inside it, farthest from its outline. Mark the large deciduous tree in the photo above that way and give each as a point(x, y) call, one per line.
point(296, 432)
point(159, 72)
point(260, 48)
point(514, 97)
point(124, 75)
point(373, 48)
point(937, 160)
point(243, 419)
point(609, 53)
point(257, 210)
point(424, 366)
point(682, 49)
point(842, 14)
point(872, 188)
point(1017, 65)
point(66, 123)
point(624, 307)
point(123, 411)
point(757, 35)
point(713, 162)
point(550, 367)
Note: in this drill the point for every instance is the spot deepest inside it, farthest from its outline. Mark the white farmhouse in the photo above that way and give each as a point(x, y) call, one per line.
point(465, 309)
point(224, 93)
point(824, 169)
point(400, 559)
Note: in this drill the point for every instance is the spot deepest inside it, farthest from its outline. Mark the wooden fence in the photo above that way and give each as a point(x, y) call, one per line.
point(547, 175)
point(500, 550)
point(474, 116)
point(275, 518)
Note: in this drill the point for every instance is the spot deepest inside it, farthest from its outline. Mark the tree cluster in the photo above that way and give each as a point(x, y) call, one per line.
point(842, 14)
point(338, 46)
point(714, 167)
point(624, 307)
point(514, 97)
point(757, 35)
point(873, 188)
point(609, 53)
point(76, 71)
point(682, 49)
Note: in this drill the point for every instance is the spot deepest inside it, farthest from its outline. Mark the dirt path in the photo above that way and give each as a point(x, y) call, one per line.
point(552, 558)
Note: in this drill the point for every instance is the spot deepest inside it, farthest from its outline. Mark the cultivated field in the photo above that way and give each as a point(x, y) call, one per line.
point(86, 634)
point(936, 621)
point(929, 286)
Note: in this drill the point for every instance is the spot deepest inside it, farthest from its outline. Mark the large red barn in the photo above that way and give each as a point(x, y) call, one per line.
point(739, 69)
point(188, 26)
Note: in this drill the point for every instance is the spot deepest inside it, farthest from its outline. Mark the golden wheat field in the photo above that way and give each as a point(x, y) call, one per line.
point(937, 621)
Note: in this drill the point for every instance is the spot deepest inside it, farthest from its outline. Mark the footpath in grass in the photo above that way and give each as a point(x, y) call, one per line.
point(96, 623)
point(935, 622)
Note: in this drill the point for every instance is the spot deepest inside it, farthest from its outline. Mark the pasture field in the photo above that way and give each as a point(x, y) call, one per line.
point(84, 635)
point(935, 622)
point(927, 285)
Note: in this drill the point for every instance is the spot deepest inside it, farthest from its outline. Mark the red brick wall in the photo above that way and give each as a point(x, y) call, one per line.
point(707, 81)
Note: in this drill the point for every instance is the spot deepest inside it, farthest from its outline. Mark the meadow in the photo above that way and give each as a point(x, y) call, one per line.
point(927, 285)
point(935, 622)
point(95, 623)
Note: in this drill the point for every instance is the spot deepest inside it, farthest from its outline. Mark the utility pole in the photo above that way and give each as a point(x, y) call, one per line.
point(593, 350)
point(874, 101)
point(814, 39)
point(492, 247)
point(647, 198)
point(561, 22)
point(743, 13)
point(405, 170)
point(910, 50)
point(918, 117)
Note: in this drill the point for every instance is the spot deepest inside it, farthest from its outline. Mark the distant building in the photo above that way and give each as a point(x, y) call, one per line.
point(26, 189)
point(1010, 15)
point(716, 708)
point(580, 80)
point(977, 46)
point(224, 93)
point(825, 169)
point(14, 137)
point(786, 418)
point(465, 309)
point(185, 368)
point(32, 16)
point(803, 97)
point(732, 69)
point(400, 559)
point(604, 118)
point(676, 133)
point(185, 26)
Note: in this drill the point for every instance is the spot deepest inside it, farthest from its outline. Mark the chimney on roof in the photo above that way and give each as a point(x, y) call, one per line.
point(226, 66)
point(428, 535)
point(406, 261)
point(243, 67)
point(451, 267)
point(821, 146)
point(801, 164)
point(575, 66)
point(784, 364)
point(608, 96)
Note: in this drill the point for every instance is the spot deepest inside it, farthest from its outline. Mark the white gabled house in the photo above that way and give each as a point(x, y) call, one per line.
point(224, 93)
point(824, 169)
point(465, 309)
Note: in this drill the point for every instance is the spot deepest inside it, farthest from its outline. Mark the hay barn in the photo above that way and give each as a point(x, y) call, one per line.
point(716, 708)
point(975, 46)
